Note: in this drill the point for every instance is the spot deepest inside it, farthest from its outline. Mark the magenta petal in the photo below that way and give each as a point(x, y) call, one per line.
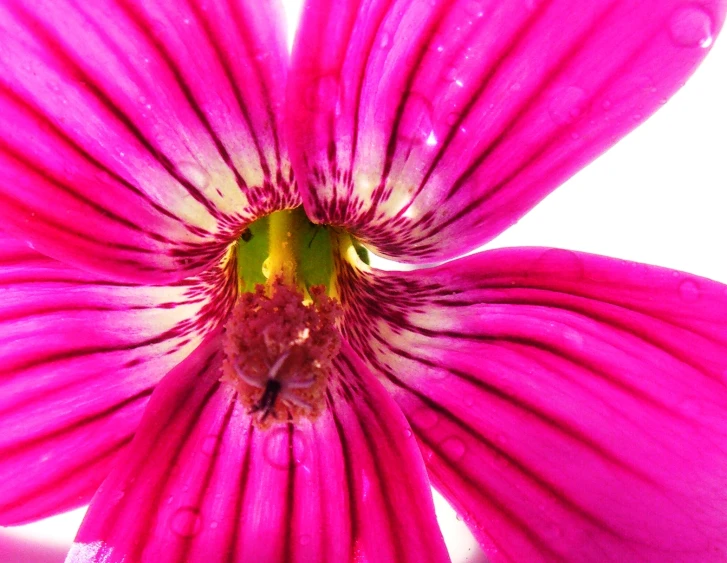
point(200, 483)
point(136, 139)
point(571, 407)
point(79, 357)
point(429, 127)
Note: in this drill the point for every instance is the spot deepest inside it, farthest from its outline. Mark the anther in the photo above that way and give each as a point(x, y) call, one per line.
point(279, 352)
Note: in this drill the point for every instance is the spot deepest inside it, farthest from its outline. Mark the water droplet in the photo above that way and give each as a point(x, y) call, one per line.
point(564, 263)
point(553, 530)
point(323, 92)
point(278, 448)
point(689, 291)
point(454, 448)
point(384, 41)
point(474, 8)
point(408, 433)
point(213, 525)
point(469, 400)
point(573, 337)
point(208, 445)
point(305, 539)
point(568, 105)
point(195, 174)
point(266, 268)
point(186, 522)
point(427, 454)
point(452, 118)
point(416, 123)
point(501, 460)
point(607, 105)
point(424, 418)
point(691, 26)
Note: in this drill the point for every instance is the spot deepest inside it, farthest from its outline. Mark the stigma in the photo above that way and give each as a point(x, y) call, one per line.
point(279, 348)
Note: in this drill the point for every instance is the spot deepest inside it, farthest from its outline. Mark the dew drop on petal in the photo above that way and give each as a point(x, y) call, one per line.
point(691, 407)
point(501, 460)
point(278, 451)
point(567, 105)
point(208, 445)
point(474, 8)
point(384, 41)
point(424, 418)
point(323, 92)
point(565, 263)
point(452, 118)
point(416, 123)
point(553, 531)
point(195, 174)
point(689, 291)
point(691, 26)
point(454, 448)
point(573, 337)
point(186, 522)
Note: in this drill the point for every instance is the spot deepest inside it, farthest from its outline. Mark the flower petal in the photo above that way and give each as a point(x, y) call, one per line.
point(79, 358)
point(201, 483)
point(571, 407)
point(137, 139)
point(428, 127)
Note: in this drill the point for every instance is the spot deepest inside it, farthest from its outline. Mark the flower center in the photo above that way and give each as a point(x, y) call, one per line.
point(281, 337)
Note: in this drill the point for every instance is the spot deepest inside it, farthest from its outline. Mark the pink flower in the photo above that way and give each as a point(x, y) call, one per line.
point(571, 407)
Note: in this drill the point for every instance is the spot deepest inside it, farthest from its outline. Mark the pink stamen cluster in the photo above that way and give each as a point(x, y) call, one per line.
point(278, 352)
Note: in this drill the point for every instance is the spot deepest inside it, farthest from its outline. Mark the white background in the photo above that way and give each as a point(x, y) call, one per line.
point(656, 197)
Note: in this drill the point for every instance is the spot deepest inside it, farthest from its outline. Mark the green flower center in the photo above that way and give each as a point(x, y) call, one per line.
point(286, 244)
